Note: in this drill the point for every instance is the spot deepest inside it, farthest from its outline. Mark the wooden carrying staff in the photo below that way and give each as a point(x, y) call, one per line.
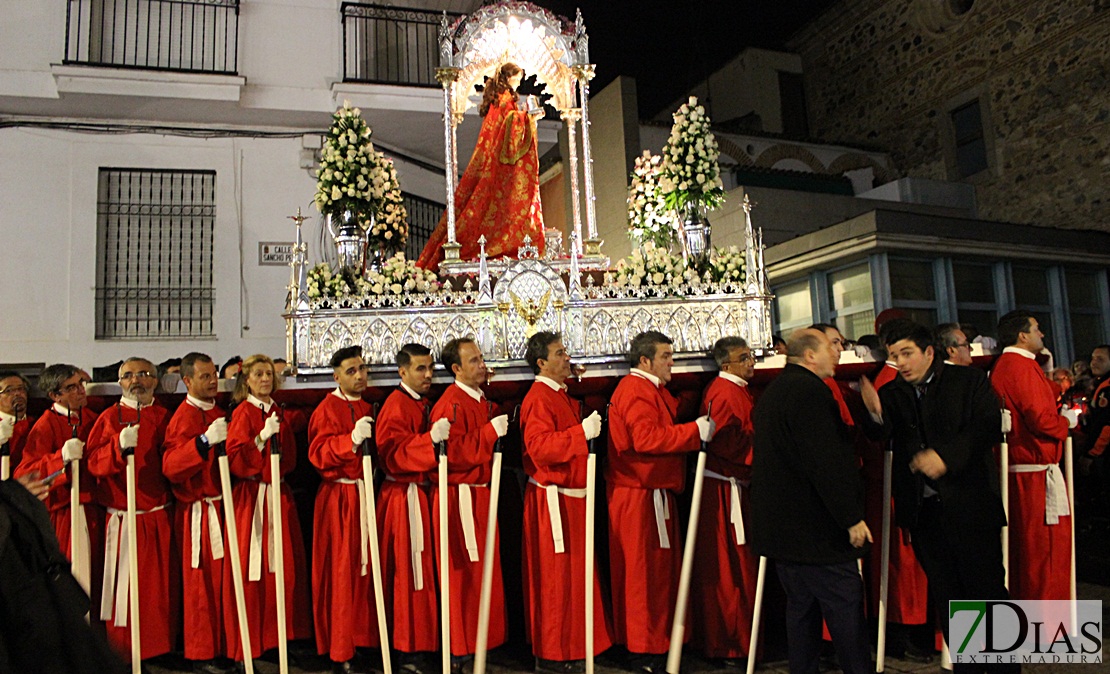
point(233, 552)
point(757, 612)
point(133, 555)
point(591, 505)
point(375, 558)
point(1004, 470)
point(279, 550)
point(884, 574)
point(78, 541)
point(444, 554)
point(487, 562)
point(5, 462)
point(678, 626)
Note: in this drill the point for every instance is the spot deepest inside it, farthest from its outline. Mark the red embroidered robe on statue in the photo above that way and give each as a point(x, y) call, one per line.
point(196, 487)
point(555, 454)
point(42, 454)
point(405, 523)
point(251, 465)
point(645, 468)
point(159, 581)
point(343, 608)
point(499, 194)
point(722, 591)
point(469, 457)
point(1040, 553)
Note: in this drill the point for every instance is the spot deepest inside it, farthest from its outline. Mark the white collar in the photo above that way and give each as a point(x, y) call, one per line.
point(200, 404)
point(338, 393)
point(472, 392)
point(1020, 351)
point(258, 403)
point(5, 416)
point(65, 411)
point(132, 403)
point(646, 375)
point(408, 389)
point(555, 386)
point(728, 376)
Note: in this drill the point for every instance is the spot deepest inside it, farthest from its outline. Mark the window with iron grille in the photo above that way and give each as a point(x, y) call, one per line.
point(154, 235)
point(424, 215)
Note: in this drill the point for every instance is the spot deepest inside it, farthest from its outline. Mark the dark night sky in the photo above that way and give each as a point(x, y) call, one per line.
point(670, 45)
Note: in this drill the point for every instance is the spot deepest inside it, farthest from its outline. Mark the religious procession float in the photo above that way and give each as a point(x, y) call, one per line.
point(501, 275)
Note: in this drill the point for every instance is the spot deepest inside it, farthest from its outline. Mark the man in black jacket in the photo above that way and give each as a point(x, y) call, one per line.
point(943, 422)
point(807, 507)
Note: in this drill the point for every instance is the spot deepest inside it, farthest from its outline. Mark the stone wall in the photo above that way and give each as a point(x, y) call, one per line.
point(888, 73)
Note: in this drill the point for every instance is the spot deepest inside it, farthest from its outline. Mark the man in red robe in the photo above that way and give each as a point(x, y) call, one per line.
point(1040, 532)
point(194, 472)
point(475, 428)
point(14, 422)
point(646, 469)
point(555, 454)
point(55, 442)
point(136, 425)
point(406, 445)
point(722, 591)
point(342, 591)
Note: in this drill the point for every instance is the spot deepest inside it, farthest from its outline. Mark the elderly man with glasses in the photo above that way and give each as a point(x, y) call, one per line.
point(136, 425)
point(953, 342)
point(14, 422)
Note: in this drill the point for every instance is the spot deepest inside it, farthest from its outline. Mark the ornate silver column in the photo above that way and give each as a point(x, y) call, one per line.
point(447, 77)
point(584, 73)
point(571, 116)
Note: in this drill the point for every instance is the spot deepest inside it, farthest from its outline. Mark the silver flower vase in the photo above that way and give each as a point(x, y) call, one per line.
point(696, 231)
point(350, 241)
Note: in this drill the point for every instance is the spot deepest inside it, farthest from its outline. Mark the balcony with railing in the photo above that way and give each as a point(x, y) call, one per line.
point(188, 36)
point(390, 45)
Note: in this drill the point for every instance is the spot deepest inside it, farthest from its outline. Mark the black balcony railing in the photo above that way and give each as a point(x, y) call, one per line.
point(424, 215)
point(179, 35)
point(390, 45)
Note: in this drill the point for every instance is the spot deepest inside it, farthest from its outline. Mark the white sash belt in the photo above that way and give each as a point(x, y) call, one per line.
point(466, 514)
point(363, 526)
point(735, 515)
point(215, 535)
point(116, 584)
point(662, 514)
point(261, 505)
point(551, 493)
point(79, 526)
point(416, 531)
point(1055, 490)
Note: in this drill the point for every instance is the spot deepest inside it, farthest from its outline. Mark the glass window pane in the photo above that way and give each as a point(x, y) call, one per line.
point(1030, 287)
point(850, 287)
point(974, 282)
point(926, 317)
point(1082, 289)
point(854, 326)
point(984, 322)
point(971, 158)
point(793, 306)
point(911, 280)
point(1086, 331)
point(967, 122)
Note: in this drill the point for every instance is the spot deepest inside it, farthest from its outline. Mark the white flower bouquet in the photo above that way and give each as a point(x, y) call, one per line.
point(690, 173)
point(725, 266)
point(355, 177)
point(649, 219)
point(399, 276)
point(650, 266)
point(323, 283)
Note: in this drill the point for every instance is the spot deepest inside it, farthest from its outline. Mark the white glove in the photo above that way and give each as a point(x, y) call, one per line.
point(272, 427)
point(862, 350)
point(7, 427)
point(441, 430)
point(1072, 415)
point(706, 427)
point(217, 431)
point(591, 425)
point(129, 437)
point(500, 424)
point(364, 430)
point(1007, 422)
point(73, 450)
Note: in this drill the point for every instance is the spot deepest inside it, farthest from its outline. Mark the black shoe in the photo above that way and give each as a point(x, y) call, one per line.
point(347, 667)
point(915, 653)
point(211, 667)
point(648, 663)
point(740, 664)
point(560, 666)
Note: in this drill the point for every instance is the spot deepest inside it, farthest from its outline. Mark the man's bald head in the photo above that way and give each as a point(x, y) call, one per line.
point(811, 349)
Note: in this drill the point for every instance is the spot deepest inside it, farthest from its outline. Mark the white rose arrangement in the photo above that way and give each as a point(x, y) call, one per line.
point(650, 267)
point(399, 276)
point(725, 266)
point(355, 177)
point(690, 173)
point(649, 219)
point(325, 284)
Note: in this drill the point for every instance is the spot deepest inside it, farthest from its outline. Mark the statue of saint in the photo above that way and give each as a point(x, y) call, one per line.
point(499, 194)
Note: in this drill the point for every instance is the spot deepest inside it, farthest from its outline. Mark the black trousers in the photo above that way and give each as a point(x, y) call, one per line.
point(959, 565)
point(834, 592)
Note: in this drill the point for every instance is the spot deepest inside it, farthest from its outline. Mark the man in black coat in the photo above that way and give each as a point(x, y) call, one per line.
point(943, 422)
point(807, 507)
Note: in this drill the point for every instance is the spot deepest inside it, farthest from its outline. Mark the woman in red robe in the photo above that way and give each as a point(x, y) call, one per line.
point(499, 194)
